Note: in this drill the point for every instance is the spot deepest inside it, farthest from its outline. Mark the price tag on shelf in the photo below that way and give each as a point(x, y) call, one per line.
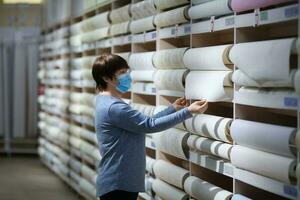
point(256, 17)
point(212, 23)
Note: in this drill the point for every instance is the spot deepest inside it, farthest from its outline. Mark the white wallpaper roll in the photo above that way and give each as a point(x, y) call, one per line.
point(119, 29)
point(298, 171)
point(75, 28)
point(124, 55)
point(271, 165)
point(208, 58)
point(266, 137)
point(141, 61)
point(170, 79)
point(169, 58)
point(98, 21)
point(209, 146)
point(143, 9)
point(148, 184)
point(270, 98)
point(297, 81)
point(172, 17)
point(172, 141)
point(164, 4)
point(210, 126)
point(149, 164)
point(210, 85)
point(95, 35)
point(142, 75)
point(239, 197)
point(120, 15)
point(241, 79)
point(170, 173)
point(166, 191)
point(87, 187)
point(141, 25)
point(200, 189)
point(75, 165)
point(88, 172)
point(208, 9)
point(264, 60)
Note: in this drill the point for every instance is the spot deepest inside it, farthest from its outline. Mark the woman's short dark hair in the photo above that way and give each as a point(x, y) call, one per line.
point(107, 65)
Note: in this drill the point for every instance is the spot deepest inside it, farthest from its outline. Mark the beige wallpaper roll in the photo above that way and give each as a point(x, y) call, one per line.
point(170, 173)
point(142, 75)
point(120, 14)
point(266, 137)
point(164, 4)
point(166, 191)
point(169, 58)
point(172, 17)
point(242, 79)
point(213, 58)
point(270, 165)
point(99, 20)
point(264, 60)
point(143, 9)
point(149, 164)
point(200, 189)
point(124, 55)
point(142, 25)
point(211, 8)
point(170, 79)
point(210, 126)
point(172, 141)
point(119, 29)
point(213, 86)
point(209, 146)
point(141, 61)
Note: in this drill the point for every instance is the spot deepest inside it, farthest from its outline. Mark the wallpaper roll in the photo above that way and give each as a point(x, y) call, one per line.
point(120, 14)
point(75, 142)
point(87, 187)
point(297, 82)
point(266, 137)
point(241, 79)
point(298, 171)
point(99, 21)
point(172, 17)
point(148, 184)
point(209, 146)
point(270, 98)
point(141, 25)
point(240, 5)
point(124, 55)
point(75, 165)
point(200, 189)
point(119, 29)
point(149, 164)
point(297, 139)
point(270, 165)
point(208, 58)
point(169, 58)
point(239, 197)
point(210, 126)
point(172, 141)
point(213, 86)
point(208, 9)
point(166, 191)
point(164, 4)
point(170, 173)
point(87, 172)
point(142, 75)
point(264, 60)
point(143, 9)
point(170, 79)
point(141, 61)
point(99, 34)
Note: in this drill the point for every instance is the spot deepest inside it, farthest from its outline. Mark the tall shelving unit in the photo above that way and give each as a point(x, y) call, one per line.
point(80, 164)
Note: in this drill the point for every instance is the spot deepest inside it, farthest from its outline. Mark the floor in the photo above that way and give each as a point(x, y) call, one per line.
point(25, 177)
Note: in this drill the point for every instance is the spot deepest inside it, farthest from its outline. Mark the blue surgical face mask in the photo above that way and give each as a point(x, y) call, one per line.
point(124, 82)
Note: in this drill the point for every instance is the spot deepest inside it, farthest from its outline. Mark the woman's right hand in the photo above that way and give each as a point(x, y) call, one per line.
point(198, 107)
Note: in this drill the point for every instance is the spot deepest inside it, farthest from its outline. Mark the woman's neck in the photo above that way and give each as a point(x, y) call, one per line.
point(112, 92)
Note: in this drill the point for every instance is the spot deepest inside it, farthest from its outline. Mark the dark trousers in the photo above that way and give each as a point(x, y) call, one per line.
point(119, 194)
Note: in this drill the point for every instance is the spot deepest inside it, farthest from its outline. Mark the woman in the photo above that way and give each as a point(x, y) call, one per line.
point(121, 130)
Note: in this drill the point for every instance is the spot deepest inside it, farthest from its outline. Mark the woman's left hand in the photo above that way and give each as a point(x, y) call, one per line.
point(180, 103)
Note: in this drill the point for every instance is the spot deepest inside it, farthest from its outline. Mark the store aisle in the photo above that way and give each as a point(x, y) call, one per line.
point(25, 177)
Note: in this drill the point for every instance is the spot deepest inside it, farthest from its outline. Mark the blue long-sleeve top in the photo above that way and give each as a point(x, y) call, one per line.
point(121, 137)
